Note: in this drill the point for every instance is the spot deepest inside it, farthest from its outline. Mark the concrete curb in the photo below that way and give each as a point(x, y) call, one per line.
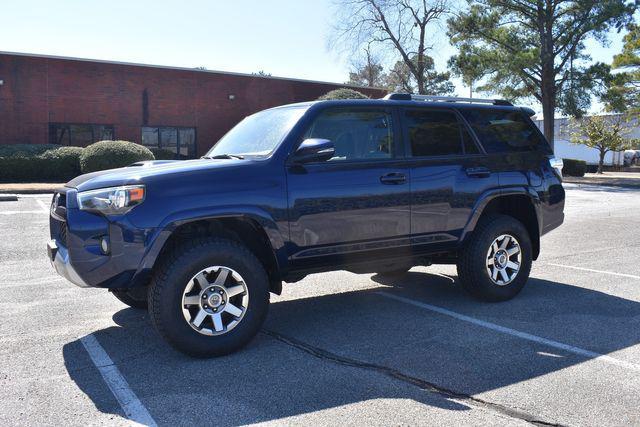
point(8, 197)
point(622, 183)
point(28, 190)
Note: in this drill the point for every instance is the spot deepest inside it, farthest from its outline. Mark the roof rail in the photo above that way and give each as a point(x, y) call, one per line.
point(433, 98)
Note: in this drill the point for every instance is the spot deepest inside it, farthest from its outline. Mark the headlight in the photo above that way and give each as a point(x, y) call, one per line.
point(113, 200)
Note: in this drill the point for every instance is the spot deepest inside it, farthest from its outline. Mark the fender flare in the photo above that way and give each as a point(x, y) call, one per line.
point(494, 193)
point(159, 236)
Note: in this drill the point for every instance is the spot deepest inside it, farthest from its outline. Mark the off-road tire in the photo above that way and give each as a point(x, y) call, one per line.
point(174, 273)
point(472, 267)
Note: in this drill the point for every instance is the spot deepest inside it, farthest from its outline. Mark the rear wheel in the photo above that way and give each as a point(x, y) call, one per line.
point(495, 263)
point(209, 298)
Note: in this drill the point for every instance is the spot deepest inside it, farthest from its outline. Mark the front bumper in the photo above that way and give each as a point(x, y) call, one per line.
point(59, 257)
point(74, 248)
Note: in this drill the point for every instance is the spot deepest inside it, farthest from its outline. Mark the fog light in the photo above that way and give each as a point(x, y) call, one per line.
point(105, 247)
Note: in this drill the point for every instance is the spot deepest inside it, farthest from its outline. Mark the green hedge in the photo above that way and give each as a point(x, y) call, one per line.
point(55, 163)
point(112, 154)
point(343, 93)
point(574, 167)
point(39, 163)
point(162, 154)
point(25, 150)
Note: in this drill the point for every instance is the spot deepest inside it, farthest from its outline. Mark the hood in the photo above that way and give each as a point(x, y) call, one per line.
point(138, 172)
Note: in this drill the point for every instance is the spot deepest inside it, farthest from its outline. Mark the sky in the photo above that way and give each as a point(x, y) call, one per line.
point(286, 38)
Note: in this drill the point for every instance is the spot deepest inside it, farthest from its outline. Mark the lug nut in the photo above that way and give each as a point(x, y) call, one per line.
point(204, 296)
point(215, 309)
point(206, 306)
point(221, 292)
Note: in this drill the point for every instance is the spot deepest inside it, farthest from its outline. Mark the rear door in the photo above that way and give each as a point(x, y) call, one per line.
point(449, 172)
point(356, 204)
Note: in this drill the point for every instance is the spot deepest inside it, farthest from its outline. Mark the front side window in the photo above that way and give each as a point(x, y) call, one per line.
point(437, 133)
point(502, 131)
point(356, 135)
point(79, 135)
point(258, 134)
point(179, 141)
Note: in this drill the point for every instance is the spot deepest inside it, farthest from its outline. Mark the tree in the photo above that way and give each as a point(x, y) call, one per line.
point(343, 93)
point(368, 72)
point(401, 79)
point(403, 26)
point(604, 133)
point(468, 65)
point(623, 89)
point(261, 73)
point(536, 48)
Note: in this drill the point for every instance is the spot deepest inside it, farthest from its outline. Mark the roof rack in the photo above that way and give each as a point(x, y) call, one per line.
point(433, 98)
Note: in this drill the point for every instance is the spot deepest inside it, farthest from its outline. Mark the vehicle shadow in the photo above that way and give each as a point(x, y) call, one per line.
point(325, 352)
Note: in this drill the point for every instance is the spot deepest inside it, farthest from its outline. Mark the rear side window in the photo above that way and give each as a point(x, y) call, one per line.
point(437, 133)
point(502, 131)
point(356, 135)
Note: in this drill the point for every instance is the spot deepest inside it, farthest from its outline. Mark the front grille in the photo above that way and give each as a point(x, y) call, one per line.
point(57, 218)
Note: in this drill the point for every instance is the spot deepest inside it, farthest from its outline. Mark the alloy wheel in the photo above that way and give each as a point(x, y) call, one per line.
point(504, 258)
point(215, 300)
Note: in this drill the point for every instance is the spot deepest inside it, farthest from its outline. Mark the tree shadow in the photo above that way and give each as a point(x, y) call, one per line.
point(272, 378)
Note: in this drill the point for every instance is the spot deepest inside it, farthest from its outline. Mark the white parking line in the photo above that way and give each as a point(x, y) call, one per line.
point(54, 279)
point(529, 337)
point(129, 402)
point(19, 212)
point(42, 205)
point(595, 271)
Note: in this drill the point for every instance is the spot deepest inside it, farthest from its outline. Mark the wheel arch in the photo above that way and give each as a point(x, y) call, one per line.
point(259, 233)
point(521, 204)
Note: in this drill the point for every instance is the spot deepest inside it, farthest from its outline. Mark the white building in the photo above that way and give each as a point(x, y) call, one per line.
point(563, 148)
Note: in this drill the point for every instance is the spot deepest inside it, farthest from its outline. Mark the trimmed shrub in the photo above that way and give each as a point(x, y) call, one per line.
point(112, 154)
point(343, 93)
point(162, 154)
point(574, 167)
point(25, 150)
point(39, 163)
point(62, 163)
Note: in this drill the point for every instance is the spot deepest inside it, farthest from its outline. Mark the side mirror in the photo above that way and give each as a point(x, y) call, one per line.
point(314, 150)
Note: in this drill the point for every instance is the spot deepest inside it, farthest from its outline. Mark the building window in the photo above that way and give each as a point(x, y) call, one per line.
point(79, 135)
point(178, 140)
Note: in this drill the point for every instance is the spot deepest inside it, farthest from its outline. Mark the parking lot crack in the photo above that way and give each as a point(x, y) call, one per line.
point(418, 382)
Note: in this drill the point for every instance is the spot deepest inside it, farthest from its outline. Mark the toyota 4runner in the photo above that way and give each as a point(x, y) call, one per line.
point(368, 186)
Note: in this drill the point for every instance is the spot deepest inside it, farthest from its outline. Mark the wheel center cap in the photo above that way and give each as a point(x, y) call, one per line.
point(215, 300)
point(501, 259)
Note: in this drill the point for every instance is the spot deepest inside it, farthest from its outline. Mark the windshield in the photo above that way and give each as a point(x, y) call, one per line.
point(258, 134)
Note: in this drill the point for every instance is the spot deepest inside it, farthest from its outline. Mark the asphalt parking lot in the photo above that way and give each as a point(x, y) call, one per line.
point(340, 348)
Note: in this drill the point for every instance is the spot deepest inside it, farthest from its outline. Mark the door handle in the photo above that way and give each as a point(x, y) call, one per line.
point(393, 178)
point(479, 172)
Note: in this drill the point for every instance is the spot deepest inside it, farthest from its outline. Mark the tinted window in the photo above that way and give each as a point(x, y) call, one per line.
point(357, 135)
point(437, 133)
point(79, 135)
point(177, 140)
point(503, 131)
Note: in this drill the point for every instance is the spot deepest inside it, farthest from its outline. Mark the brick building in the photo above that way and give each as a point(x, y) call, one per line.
point(67, 101)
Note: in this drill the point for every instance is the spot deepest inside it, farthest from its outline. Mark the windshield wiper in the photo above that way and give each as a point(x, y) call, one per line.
point(224, 156)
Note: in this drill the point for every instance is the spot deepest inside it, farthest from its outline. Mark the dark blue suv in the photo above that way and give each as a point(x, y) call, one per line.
point(369, 186)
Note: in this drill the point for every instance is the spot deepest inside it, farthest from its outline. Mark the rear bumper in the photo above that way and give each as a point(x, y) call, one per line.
point(59, 257)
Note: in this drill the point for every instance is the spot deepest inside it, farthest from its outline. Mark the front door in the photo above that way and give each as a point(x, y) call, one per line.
point(356, 204)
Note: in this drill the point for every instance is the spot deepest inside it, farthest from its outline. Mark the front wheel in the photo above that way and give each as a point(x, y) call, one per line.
point(495, 264)
point(209, 298)
point(134, 297)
